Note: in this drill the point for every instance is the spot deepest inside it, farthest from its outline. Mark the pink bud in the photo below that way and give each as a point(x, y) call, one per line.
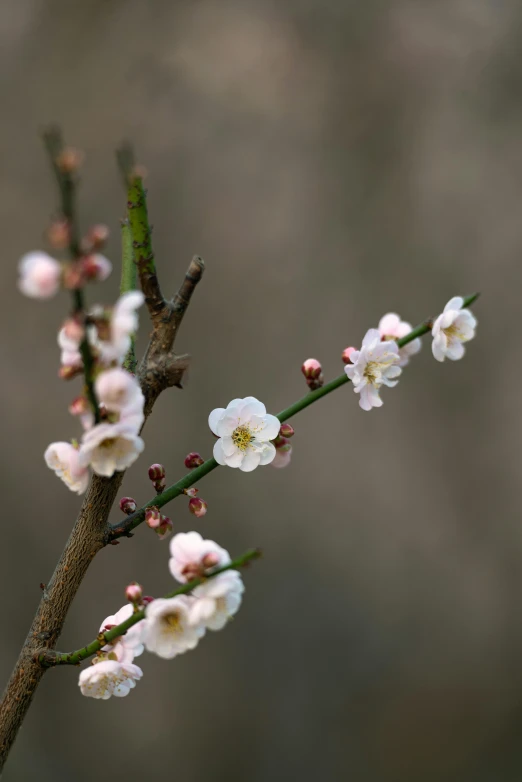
point(73, 329)
point(58, 234)
point(283, 456)
point(98, 235)
point(134, 592)
point(153, 517)
point(69, 371)
point(193, 460)
point(280, 441)
point(69, 160)
point(313, 373)
point(157, 476)
point(210, 560)
point(347, 352)
point(191, 492)
point(286, 430)
point(165, 528)
point(73, 276)
point(146, 599)
point(197, 506)
point(128, 505)
point(79, 406)
point(96, 267)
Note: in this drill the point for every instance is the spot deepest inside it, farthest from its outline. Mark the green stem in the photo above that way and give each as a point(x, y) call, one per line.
point(50, 658)
point(124, 527)
point(128, 283)
point(139, 225)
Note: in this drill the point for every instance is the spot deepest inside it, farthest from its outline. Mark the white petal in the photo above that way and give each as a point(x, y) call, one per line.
point(235, 403)
point(371, 336)
point(455, 350)
point(271, 427)
point(227, 424)
point(214, 417)
point(268, 454)
point(438, 348)
point(219, 456)
point(389, 324)
point(235, 459)
point(250, 461)
point(254, 405)
point(454, 304)
point(228, 446)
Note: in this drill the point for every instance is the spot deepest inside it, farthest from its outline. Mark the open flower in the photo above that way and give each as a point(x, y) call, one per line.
point(106, 677)
point(130, 645)
point(39, 275)
point(451, 329)
point(64, 459)
point(123, 324)
point(168, 631)
point(119, 392)
point(374, 365)
point(109, 448)
point(217, 600)
point(191, 555)
point(391, 327)
point(244, 430)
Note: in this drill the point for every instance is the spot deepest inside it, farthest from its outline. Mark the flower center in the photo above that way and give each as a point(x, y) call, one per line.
point(108, 443)
point(173, 622)
point(371, 371)
point(242, 437)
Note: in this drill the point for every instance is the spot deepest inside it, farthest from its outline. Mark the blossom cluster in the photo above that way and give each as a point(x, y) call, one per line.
point(172, 626)
point(380, 360)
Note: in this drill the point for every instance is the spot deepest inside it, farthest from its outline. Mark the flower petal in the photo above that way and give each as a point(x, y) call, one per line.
point(219, 456)
point(214, 417)
point(250, 461)
point(268, 454)
point(271, 427)
point(454, 304)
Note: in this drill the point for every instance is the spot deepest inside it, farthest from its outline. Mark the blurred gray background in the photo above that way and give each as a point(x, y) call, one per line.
point(331, 161)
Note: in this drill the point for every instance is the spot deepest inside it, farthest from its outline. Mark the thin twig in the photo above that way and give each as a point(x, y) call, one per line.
point(125, 527)
point(49, 658)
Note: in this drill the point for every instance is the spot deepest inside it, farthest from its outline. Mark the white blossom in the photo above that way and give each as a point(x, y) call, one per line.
point(451, 329)
point(130, 645)
point(70, 348)
point(39, 275)
point(64, 459)
point(106, 677)
point(168, 631)
point(374, 365)
point(391, 327)
point(188, 552)
point(109, 448)
point(123, 324)
point(244, 430)
point(119, 392)
point(217, 600)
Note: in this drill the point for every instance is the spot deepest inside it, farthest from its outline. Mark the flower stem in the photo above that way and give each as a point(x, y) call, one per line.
point(125, 526)
point(49, 658)
point(128, 283)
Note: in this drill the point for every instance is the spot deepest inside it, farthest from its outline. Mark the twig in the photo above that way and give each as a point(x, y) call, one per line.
point(49, 658)
point(124, 527)
point(128, 283)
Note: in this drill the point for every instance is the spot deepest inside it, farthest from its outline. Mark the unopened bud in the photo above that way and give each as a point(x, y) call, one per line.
point(280, 441)
point(193, 460)
point(153, 517)
point(313, 373)
point(197, 506)
point(128, 505)
point(347, 352)
point(97, 236)
point(157, 476)
point(59, 234)
point(73, 329)
point(191, 492)
point(79, 406)
point(210, 560)
point(96, 267)
point(165, 528)
point(69, 160)
point(73, 276)
point(146, 599)
point(286, 430)
point(134, 593)
point(68, 371)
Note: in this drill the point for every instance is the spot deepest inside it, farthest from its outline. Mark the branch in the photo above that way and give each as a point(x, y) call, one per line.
point(125, 526)
point(49, 658)
point(128, 283)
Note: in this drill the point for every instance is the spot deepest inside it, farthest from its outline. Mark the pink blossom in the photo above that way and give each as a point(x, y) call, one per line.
point(39, 275)
point(64, 459)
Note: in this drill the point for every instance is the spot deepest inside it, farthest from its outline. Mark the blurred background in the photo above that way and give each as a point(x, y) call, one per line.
point(331, 161)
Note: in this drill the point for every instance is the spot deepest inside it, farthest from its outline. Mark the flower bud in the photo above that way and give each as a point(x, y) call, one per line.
point(313, 373)
point(153, 517)
point(347, 352)
point(193, 460)
point(197, 506)
point(191, 492)
point(157, 476)
point(146, 599)
point(96, 267)
point(79, 406)
point(286, 430)
point(73, 329)
point(279, 441)
point(73, 276)
point(165, 528)
point(59, 234)
point(69, 160)
point(283, 456)
point(134, 592)
point(128, 505)
point(68, 371)
point(210, 560)
point(97, 236)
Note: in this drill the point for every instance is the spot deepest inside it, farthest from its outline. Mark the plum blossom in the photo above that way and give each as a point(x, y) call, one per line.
point(119, 392)
point(168, 631)
point(244, 430)
point(106, 677)
point(123, 323)
point(109, 448)
point(64, 459)
point(70, 347)
point(130, 645)
point(217, 600)
point(190, 554)
point(39, 275)
point(374, 365)
point(451, 329)
point(391, 327)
